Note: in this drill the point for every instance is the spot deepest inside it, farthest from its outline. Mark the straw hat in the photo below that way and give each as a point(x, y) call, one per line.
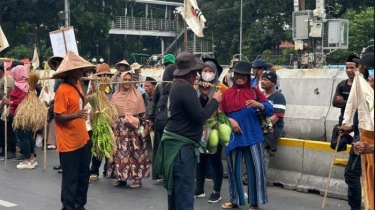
point(72, 61)
point(136, 66)
point(103, 68)
point(125, 63)
point(52, 61)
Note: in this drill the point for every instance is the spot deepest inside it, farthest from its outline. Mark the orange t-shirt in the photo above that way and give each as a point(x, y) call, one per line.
point(71, 135)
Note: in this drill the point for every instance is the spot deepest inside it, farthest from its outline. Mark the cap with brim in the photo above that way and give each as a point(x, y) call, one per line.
point(243, 67)
point(219, 68)
point(102, 69)
point(187, 62)
point(70, 62)
point(169, 58)
point(136, 66)
point(51, 61)
point(258, 63)
point(367, 60)
point(124, 63)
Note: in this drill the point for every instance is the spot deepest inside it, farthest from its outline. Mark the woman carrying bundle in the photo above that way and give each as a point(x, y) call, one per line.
point(21, 88)
point(205, 90)
point(130, 159)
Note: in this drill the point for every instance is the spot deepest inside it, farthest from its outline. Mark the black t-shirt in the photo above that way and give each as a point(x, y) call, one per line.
point(343, 89)
point(278, 102)
point(186, 113)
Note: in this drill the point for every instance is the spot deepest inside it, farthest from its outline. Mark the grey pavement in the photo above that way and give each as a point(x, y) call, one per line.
point(38, 190)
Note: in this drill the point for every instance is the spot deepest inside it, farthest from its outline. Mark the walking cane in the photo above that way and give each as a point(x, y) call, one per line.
point(330, 172)
point(5, 140)
point(45, 147)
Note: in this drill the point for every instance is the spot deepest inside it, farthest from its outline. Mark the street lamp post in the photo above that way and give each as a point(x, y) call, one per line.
point(175, 12)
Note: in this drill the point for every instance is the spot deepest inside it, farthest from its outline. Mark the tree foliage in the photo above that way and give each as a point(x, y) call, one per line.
point(27, 23)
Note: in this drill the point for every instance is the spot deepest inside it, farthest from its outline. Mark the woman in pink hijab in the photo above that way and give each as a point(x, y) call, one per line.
point(21, 87)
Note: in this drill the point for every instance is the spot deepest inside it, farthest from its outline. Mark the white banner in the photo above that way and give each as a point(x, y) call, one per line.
point(194, 17)
point(62, 41)
point(361, 98)
point(35, 61)
point(3, 40)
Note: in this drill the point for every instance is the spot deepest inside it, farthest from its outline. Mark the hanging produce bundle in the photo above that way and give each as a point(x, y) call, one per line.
point(220, 133)
point(31, 113)
point(103, 116)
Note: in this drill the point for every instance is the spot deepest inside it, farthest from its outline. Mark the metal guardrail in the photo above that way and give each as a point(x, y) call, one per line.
point(199, 46)
point(147, 24)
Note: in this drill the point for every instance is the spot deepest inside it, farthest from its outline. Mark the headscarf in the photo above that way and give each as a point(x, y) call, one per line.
point(19, 75)
point(212, 65)
point(129, 102)
point(235, 98)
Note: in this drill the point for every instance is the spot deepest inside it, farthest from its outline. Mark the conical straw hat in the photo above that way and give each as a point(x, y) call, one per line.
point(51, 61)
point(72, 61)
point(125, 63)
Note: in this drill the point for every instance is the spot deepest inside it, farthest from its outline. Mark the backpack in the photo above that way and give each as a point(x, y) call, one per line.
point(162, 109)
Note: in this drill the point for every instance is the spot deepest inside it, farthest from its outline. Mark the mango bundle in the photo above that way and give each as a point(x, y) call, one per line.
point(31, 113)
point(220, 133)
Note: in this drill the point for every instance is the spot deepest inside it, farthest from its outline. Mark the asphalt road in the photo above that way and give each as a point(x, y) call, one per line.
point(39, 189)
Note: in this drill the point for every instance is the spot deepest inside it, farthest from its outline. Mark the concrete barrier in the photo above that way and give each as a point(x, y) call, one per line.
point(304, 166)
point(286, 167)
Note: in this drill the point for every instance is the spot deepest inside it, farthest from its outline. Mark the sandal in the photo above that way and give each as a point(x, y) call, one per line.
point(229, 205)
point(254, 208)
point(119, 183)
point(136, 184)
point(94, 177)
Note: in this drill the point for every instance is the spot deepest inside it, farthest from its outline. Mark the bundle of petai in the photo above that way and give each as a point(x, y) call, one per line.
point(31, 113)
point(105, 116)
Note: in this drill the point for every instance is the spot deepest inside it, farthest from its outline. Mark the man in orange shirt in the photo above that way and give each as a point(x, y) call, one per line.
point(72, 135)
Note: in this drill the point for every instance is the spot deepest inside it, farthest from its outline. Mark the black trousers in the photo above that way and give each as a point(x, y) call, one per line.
point(352, 179)
point(182, 197)
point(11, 137)
point(95, 165)
point(217, 170)
point(157, 139)
point(75, 177)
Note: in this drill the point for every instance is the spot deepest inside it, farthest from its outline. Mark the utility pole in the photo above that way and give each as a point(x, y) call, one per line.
point(67, 12)
point(241, 32)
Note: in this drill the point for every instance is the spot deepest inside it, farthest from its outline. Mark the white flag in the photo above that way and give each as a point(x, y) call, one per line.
point(35, 61)
point(194, 17)
point(361, 97)
point(3, 40)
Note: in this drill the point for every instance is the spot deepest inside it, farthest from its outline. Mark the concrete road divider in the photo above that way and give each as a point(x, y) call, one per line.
point(304, 166)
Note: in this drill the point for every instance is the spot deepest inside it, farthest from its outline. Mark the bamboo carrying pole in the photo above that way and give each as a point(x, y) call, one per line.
point(45, 147)
point(330, 172)
point(5, 141)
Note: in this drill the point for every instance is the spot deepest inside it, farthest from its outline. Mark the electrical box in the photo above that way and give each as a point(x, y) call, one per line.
point(301, 21)
point(336, 34)
point(316, 30)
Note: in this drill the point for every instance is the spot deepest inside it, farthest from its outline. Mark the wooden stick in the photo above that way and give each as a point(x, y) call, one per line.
point(330, 172)
point(5, 140)
point(45, 147)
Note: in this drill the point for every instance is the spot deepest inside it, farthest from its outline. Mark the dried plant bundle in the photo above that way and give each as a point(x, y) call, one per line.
point(31, 113)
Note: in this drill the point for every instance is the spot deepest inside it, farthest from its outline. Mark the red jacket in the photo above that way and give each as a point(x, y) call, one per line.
point(17, 96)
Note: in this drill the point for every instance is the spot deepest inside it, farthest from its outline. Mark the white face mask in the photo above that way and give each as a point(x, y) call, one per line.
point(208, 77)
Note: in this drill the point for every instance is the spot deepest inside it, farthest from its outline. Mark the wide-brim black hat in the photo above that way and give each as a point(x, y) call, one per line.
point(367, 60)
point(218, 67)
point(187, 62)
point(242, 67)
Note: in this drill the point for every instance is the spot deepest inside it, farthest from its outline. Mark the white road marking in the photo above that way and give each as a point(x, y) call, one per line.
point(7, 204)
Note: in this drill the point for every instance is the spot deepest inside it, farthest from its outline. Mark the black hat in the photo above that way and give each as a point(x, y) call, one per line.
point(270, 75)
point(16, 63)
point(258, 63)
point(2, 65)
point(218, 67)
point(351, 57)
point(269, 66)
point(242, 67)
point(187, 62)
point(367, 60)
